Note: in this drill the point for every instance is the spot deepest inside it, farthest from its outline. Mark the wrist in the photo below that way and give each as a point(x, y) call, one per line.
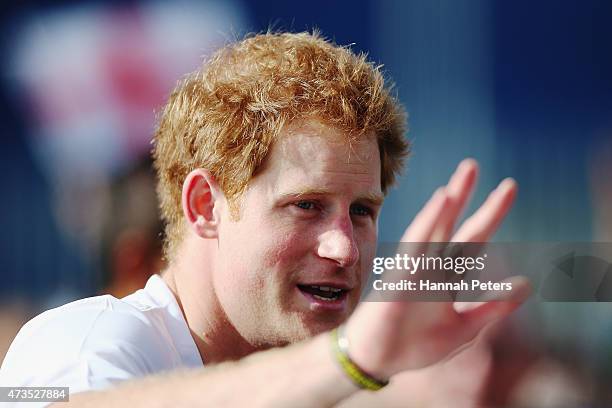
point(332, 375)
point(356, 373)
point(367, 355)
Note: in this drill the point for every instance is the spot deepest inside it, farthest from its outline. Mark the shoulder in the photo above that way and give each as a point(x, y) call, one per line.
point(94, 339)
point(77, 325)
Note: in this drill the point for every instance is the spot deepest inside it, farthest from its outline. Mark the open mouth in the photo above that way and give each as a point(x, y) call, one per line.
point(324, 293)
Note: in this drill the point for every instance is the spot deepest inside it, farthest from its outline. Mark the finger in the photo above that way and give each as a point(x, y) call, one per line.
point(477, 315)
point(427, 219)
point(484, 222)
point(419, 232)
point(459, 190)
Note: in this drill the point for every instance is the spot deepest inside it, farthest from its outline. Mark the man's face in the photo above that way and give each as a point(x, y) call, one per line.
point(295, 263)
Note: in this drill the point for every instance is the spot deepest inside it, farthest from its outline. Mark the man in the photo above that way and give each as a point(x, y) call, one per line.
point(273, 162)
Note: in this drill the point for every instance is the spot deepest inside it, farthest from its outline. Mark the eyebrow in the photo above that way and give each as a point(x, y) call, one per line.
point(372, 198)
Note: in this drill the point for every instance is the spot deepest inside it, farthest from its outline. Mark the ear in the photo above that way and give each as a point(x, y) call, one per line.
point(201, 200)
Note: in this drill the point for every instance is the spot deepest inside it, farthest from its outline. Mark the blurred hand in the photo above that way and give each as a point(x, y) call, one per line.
point(387, 338)
point(457, 382)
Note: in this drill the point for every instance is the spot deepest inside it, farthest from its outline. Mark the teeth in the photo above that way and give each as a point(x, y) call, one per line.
point(327, 289)
point(324, 298)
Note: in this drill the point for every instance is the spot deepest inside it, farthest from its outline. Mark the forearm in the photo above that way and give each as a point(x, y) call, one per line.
point(303, 375)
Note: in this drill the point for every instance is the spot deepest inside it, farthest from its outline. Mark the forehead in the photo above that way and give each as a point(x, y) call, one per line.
point(311, 156)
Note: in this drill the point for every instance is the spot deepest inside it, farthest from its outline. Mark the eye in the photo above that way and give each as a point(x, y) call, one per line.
point(361, 210)
point(305, 205)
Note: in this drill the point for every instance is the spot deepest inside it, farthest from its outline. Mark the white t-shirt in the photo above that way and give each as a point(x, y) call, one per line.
point(93, 343)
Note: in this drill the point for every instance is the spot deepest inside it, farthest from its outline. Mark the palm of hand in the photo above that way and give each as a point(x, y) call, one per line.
point(390, 337)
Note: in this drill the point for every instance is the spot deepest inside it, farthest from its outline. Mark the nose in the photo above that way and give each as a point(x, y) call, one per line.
point(338, 244)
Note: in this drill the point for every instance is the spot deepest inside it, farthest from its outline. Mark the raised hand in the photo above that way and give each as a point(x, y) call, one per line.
point(390, 337)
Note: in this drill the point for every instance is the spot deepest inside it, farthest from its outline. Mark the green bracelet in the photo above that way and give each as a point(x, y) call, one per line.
point(354, 372)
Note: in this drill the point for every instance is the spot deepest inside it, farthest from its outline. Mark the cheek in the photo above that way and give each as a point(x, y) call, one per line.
point(285, 249)
point(367, 236)
point(367, 253)
point(270, 252)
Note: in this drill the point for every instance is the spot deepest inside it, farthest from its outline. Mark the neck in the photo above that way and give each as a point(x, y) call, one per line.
point(189, 277)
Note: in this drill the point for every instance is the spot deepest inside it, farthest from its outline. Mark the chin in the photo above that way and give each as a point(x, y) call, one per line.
point(318, 325)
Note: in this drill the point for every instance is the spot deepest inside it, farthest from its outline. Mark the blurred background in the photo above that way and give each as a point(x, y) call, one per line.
point(524, 87)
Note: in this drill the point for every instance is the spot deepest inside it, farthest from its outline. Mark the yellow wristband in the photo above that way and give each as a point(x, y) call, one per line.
point(354, 372)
